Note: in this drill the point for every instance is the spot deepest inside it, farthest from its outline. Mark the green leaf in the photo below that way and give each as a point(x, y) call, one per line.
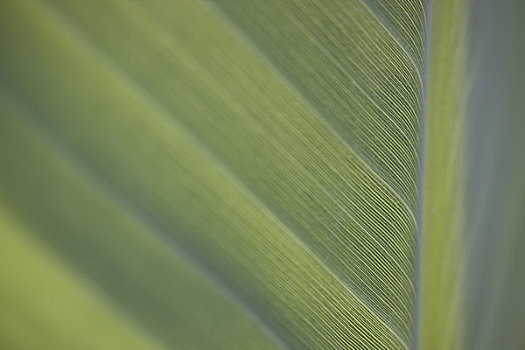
point(232, 174)
point(442, 258)
point(44, 305)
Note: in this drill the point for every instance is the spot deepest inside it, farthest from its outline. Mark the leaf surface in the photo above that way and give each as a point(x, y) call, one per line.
point(235, 174)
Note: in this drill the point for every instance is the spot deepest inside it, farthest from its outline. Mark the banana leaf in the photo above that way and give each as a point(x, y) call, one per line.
point(280, 174)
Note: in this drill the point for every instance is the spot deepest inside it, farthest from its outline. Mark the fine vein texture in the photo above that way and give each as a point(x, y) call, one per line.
point(442, 264)
point(225, 174)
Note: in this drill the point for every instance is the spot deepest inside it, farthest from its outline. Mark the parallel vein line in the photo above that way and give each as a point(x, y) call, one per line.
point(99, 182)
point(354, 82)
point(410, 18)
point(394, 37)
point(314, 111)
point(337, 23)
point(195, 71)
point(305, 170)
point(157, 105)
